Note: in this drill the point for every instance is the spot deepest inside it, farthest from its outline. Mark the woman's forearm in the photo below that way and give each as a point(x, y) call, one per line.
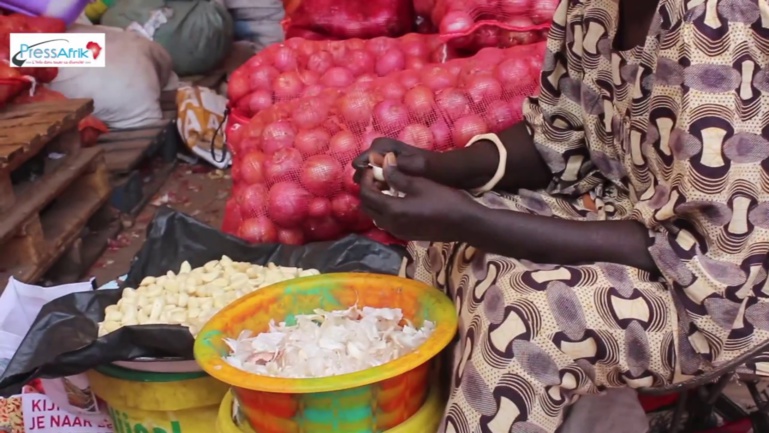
point(478, 163)
point(549, 240)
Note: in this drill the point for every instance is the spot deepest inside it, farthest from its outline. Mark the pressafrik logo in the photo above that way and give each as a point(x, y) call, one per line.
point(48, 50)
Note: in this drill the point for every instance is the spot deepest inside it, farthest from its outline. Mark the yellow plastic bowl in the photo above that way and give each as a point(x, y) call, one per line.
point(372, 400)
point(426, 420)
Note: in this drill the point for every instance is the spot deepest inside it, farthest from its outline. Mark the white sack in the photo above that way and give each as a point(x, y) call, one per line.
point(126, 93)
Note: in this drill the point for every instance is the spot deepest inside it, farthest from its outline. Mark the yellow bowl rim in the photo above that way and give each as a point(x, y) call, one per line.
point(444, 332)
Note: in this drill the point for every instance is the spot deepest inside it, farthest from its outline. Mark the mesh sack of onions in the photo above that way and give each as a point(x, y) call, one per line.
point(292, 173)
point(469, 25)
point(301, 67)
point(346, 19)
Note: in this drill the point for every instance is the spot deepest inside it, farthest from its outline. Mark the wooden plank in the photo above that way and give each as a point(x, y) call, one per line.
point(126, 160)
point(25, 250)
point(26, 129)
point(7, 196)
point(84, 252)
point(63, 221)
point(134, 134)
point(41, 192)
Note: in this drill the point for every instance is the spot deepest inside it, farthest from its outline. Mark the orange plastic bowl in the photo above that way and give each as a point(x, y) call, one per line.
point(372, 400)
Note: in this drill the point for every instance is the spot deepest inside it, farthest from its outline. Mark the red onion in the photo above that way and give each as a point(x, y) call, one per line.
point(234, 134)
point(420, 102)
point(320, 62)
point(486, 36)
point(313, 90)
point(252, 200)
point(456, 22)
point(338, 77)
point(287, 204)
point(258, 100)
point(499, 116)
point(322, 229)
point(365, 78)
point(283, 165)
point(441, 134)
point(311, 141)
point(276, 136)
point(516, 107)
point(360, 62)
point(284, 59)
point(484, 89)
point(237, 85)
point(252, 168)
point(232, 219)
point(438, 78)
point(390, 116)
point(309, 113)
point(513, 73)
point(338, 50)
point(290, 236)
point(409, 79)
point(356, 109)
point(321, 175)
point(453, 104)
point(390, 61)
point(348, 181)
point(346, 208)
point(319, 207)
point(380, 45)
point(308, 78)
point(418, 135)
point(415, 64)
point(393, 91)
point(262, 77)
point(258, 230)
point(344, 146)
point(489, 57)
point(287, 85)
point(468, 127)
point(413, 45)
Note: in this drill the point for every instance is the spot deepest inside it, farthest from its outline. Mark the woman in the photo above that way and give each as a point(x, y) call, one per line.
point(626, 242)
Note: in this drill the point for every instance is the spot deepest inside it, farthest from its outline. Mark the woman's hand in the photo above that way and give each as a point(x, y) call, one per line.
point(467, 167)
point(428, 211)
point(411, 160)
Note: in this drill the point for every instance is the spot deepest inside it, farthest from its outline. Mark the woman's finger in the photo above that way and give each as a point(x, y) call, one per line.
point(372, 197)
point(376, 159)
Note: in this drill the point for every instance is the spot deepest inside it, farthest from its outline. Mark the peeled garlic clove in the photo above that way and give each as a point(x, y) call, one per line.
point(378, 172)
point(147, 281)
point(186, 268)
point(211, 276)
point(113, 316)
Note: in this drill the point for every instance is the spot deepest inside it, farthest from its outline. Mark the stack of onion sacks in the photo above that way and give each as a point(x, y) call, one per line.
point(292, 168)
point(302, 68)
point(469, 25)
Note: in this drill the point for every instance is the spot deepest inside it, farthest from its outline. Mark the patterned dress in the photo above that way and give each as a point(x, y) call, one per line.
point(672, 134)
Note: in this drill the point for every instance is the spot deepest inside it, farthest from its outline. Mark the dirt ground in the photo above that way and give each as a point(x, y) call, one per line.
point(198, 190)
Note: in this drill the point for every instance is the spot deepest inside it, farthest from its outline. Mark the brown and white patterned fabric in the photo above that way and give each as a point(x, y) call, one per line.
point(672, 134)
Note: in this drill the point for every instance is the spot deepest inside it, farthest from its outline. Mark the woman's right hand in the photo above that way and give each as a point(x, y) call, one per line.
point(411, 160)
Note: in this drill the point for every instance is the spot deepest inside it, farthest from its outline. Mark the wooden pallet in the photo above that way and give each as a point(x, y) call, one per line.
point(56, 207)
point(27, 130)
point(124, 149)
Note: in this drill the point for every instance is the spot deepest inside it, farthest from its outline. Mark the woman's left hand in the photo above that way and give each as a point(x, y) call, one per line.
point(429, 211)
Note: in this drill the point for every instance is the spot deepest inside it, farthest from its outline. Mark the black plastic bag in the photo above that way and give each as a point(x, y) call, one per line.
point(63, 339)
